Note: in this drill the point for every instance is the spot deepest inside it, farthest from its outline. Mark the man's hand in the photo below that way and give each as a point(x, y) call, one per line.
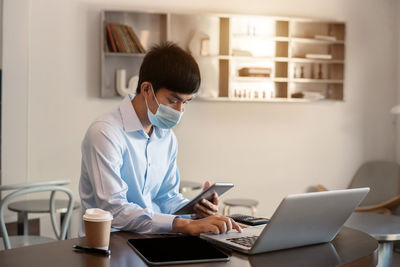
point(207, 208)
point(215, 224)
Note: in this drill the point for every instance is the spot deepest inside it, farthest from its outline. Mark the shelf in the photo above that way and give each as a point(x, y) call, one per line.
point(252, 79)
point(311, 60)
point(236, 42)
point(314, 41)
point(281, 79)
point(305, 80)
point(148, 28)
point(262, 37)
point(275, 59)
point(113, 54)
point(261, 58)
point(260, 79)
point(267, 100)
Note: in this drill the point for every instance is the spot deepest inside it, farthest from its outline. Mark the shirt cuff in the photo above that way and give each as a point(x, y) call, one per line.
point(162, 222)
point(186, 216)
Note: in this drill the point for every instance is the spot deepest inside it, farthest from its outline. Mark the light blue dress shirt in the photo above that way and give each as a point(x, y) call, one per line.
point(128, 173)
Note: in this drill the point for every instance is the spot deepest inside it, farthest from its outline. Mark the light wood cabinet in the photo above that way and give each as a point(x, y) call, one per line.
point(245, 58)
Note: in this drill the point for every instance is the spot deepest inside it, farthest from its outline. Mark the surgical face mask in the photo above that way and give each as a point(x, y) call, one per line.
point(165, 116)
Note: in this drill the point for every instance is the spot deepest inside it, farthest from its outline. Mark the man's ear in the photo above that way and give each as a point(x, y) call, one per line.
point(145, 87)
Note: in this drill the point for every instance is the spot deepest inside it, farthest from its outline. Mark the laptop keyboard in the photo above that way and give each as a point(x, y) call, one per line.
point(247, 241)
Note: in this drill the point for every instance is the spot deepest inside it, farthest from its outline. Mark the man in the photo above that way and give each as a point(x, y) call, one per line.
point(129, 155)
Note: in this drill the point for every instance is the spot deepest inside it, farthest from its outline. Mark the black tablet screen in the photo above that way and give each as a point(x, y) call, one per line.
point(177, 249)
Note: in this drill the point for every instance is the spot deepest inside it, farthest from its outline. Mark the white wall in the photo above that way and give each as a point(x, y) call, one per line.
point(268, 150)
point(1, 36)
point(1, 52)
point(16, 77)
point(397, 120)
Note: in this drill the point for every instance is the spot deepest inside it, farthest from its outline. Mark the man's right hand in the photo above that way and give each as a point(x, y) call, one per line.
point(215, 224)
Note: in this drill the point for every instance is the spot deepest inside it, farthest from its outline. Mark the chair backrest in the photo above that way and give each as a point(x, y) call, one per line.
point(35, 188)
point(30, 185)
point(383, 179)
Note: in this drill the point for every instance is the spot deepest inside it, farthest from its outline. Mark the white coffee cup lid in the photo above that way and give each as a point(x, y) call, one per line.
point(97, 215)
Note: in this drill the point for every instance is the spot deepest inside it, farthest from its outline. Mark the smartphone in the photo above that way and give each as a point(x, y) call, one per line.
point(218, 188)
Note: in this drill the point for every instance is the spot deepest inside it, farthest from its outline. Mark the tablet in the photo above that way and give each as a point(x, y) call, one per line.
point(176, 250)
point(219, 188)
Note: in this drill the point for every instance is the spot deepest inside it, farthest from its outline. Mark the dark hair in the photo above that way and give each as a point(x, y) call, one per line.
point(168, 66)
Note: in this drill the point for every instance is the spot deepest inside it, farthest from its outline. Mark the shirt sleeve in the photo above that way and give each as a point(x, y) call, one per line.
point(102, 156)
point(168, 198)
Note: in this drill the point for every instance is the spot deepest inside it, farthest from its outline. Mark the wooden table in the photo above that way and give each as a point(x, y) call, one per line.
point(349, 248)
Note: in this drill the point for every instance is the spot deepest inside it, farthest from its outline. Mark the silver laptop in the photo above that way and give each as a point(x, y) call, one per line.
point(299, 220)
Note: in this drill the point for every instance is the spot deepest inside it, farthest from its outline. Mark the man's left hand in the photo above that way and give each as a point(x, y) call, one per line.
point(207, 208)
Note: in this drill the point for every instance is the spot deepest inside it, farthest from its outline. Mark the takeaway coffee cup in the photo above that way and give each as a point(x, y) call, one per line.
point(97, 228)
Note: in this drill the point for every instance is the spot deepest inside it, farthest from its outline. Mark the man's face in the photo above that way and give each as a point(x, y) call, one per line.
point(169, 98)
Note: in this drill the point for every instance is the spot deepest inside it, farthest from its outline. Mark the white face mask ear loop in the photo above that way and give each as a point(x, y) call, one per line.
point(151, 86)
point(147, 106)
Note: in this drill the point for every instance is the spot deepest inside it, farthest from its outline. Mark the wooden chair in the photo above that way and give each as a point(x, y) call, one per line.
point(383, 179)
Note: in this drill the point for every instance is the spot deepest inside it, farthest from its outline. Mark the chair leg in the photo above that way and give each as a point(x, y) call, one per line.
point(62, 217)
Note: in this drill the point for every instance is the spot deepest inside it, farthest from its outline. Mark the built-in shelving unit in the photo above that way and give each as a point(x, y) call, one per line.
point(247, 58)
point(150, 28)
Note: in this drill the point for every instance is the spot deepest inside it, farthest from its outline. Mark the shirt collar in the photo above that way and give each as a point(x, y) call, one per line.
point(130, 119)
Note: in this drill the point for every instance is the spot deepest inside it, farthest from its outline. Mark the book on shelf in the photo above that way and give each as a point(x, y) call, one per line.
point(136, 40)
point(132, 46)
point(113, 34)
point(117, 38)
point(325, 37)
point(121, 38)
point(110, 38)
point(308, 95)
point(255, 72)
point(319, 56)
